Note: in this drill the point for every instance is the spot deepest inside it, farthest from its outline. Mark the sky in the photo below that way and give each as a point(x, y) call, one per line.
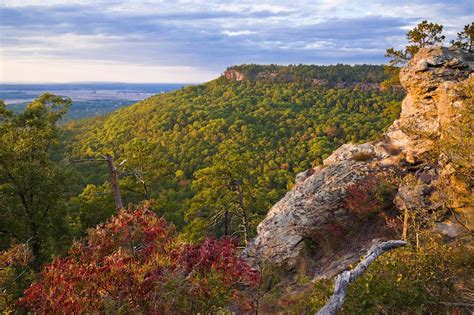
point(194, 41)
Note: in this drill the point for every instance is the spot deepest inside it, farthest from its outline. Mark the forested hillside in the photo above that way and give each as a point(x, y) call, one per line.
point(213, 158)
point(331, 75)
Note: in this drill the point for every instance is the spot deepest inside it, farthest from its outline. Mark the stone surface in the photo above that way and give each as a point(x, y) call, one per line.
point(431, 103)
point(317, 199)
point(233, 74)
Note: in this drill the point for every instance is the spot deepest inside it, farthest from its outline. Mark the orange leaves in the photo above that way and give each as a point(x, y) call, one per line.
point(134, 262)
point(18, 254)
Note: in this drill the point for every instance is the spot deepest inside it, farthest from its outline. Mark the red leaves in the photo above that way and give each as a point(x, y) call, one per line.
point(135, 263)
point(362, 198)
point(217, 255)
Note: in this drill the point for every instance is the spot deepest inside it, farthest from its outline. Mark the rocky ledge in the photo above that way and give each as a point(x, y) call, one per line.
point(312, 213)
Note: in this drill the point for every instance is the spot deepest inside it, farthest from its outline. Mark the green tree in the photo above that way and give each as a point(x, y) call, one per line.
point(32, 185)
point(465, 39)
point(423, 35)
point(227, 190)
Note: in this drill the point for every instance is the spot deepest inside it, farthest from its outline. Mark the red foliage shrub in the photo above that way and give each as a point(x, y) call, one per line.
point(135, 264)
point(368, 196)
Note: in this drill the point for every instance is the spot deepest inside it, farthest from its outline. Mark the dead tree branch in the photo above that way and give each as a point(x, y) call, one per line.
point(113, 176)
point(343, 280)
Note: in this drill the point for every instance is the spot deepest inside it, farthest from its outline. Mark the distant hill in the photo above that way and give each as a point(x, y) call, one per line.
point(340, 74)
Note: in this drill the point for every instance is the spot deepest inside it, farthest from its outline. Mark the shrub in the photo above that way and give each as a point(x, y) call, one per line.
point(373, 195)
point(134, 264)
point(412, 280)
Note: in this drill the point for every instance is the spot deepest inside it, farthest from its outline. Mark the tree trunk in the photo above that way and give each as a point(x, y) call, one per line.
point(405, 224)
point(35, 248)
point(226, 222)
point(114, 182)
point(245, 218)
point(245, 221)
point(345, 278)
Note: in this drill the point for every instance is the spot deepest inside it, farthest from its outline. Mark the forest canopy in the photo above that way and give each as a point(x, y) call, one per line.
point(210, 155)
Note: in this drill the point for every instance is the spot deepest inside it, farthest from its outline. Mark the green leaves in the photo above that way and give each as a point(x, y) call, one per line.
point(189, 145)
point(33, 187)
point(465, 39)
point(425, 35)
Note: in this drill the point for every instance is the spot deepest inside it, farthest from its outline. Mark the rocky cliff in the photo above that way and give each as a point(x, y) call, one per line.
point(317, 217)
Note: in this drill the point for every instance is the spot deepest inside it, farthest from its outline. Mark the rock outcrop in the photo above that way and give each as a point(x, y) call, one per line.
point(232, 74)
point(432, 103)
point(318, 201)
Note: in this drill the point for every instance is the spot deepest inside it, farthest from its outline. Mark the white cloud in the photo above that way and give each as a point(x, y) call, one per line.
point(237, 33)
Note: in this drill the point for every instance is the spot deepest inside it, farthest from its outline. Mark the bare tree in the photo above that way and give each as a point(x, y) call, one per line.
point(345, 278)
point(113, 179)
point(113, 176)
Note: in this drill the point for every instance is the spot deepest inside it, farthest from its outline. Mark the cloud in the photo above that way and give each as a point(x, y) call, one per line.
point(209, 35)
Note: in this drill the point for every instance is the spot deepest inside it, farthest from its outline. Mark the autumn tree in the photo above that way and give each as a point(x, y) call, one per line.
point(14, 268)
point(134, 264)
point(33, 186)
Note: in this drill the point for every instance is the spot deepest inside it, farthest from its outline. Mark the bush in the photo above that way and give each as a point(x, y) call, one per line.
point(134, 264)
point(373, 195)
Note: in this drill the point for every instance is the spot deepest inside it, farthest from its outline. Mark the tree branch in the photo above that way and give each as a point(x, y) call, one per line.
point(86, 160)
point(343, 280)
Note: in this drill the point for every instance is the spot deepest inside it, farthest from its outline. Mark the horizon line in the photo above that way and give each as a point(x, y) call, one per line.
point(91, 82)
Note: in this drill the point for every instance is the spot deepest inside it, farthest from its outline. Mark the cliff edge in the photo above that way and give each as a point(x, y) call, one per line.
point(321, 217)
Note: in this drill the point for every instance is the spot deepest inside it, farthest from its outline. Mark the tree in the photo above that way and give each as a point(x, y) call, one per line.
point(32, 185)
point(227, 189)
point(465, 39)
point(134, 264)
point(113, 176)
point(343, 280)
point(14, 264)
point(423, 35)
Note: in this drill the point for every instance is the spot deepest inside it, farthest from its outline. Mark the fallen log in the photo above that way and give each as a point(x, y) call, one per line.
point(343, 280)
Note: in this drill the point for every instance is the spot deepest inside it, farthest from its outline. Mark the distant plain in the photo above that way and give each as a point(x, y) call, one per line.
point(89, 99)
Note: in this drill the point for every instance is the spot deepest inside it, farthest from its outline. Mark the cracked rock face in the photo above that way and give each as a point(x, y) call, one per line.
point(318, 198)
point(432, 104)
